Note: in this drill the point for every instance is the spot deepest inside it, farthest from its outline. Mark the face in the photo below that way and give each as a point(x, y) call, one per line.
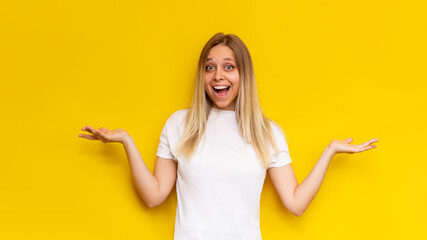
point(221, 77)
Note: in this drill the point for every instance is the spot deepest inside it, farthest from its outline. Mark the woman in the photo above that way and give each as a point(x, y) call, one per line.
point(219, 150)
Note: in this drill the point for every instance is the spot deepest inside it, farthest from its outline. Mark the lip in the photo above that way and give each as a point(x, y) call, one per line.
point(221, 97)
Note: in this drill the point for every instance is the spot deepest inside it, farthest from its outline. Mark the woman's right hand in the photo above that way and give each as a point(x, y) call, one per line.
point(105, 135)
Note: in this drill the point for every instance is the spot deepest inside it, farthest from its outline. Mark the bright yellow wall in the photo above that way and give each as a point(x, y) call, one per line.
point(325, 70)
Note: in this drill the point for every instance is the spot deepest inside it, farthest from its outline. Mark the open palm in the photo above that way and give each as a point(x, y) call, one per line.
point(105, 135)
point(344, 146)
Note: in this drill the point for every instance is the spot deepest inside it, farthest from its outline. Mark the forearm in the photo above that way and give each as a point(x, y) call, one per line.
point(147, 184)
point(307, 189)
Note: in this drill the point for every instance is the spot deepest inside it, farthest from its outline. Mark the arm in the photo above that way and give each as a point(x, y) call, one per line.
point(297, 197)
point(154, 189)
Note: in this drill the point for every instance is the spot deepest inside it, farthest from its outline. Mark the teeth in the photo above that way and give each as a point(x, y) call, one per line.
point(220, 87)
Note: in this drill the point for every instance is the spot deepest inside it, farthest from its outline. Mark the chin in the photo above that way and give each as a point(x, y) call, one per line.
point(224, 105)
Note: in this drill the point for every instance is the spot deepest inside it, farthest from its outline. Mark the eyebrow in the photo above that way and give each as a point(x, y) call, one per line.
point(224, 59)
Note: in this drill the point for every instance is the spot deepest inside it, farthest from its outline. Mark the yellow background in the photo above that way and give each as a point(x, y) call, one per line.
point(325, 70)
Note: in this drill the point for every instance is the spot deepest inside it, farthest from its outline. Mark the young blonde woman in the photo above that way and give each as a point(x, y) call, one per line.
point(219, 150)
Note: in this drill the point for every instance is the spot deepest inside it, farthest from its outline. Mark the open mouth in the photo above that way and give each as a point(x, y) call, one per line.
point(221, 91)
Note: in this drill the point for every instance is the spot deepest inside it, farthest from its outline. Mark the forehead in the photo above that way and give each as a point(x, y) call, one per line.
point(220, 52)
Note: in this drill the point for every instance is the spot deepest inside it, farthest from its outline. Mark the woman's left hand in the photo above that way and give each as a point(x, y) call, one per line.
point(344, 146)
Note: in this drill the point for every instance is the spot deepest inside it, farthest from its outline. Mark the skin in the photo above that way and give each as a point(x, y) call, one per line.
point(154, 188)
point(221, 70)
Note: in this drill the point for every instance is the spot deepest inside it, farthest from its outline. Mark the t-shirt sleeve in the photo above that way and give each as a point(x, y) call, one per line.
point(164, 149)
point(282, 157)
point(170, 135)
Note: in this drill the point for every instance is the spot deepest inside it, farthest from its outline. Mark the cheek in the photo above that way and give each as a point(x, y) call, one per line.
point(207, 89)
point(207, 79)
point(235, 79)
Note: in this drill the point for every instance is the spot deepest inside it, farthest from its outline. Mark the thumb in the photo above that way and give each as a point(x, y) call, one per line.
point(348, 140)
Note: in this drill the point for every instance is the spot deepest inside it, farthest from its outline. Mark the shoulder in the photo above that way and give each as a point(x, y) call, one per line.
point(275, 127)
point(178, 117)
point(277, 130)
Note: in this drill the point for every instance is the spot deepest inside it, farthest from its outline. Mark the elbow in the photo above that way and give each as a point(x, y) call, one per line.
point(295, 209)
point(154, 202)
point(150, 200)
point(152, 205)
point(298, 212)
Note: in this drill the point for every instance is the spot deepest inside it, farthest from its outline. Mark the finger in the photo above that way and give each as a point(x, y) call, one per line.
point(348, 140)
point(369, 147)
point(369, 142)
point(88, 129)
point(103, 129)
point(101, 135)
point(85, 128)
point(90, 137)
point(96, 133)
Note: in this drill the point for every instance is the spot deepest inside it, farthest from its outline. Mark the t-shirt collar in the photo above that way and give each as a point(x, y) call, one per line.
point(224, 113)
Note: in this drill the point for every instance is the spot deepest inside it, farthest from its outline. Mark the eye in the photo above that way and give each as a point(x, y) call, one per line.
point(209, 67)
point(229, 67)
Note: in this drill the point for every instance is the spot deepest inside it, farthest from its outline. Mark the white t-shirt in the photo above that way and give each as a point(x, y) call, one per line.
point(219, 188)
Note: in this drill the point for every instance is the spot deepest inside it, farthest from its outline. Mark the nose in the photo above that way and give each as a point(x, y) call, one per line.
point(219, 75)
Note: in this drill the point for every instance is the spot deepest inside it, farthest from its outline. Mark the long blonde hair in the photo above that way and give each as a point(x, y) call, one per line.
point(254, 127)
